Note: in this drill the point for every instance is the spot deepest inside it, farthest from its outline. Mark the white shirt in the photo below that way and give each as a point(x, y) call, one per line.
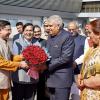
point(4, 75)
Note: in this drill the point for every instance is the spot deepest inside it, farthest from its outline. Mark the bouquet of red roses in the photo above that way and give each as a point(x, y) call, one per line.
point(36, 57)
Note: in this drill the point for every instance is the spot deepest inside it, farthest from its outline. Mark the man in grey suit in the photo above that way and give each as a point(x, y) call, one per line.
point(60, 45)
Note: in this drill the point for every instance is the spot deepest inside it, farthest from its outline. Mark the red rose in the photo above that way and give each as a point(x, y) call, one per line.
point(34, 55)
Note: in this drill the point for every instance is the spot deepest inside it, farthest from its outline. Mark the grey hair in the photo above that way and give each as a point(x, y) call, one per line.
point(56, 19)
point(73, 22)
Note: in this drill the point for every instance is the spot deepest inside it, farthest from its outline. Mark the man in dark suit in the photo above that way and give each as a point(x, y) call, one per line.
point(60, 45)
point(79, 40)
point(41, 84)
point(19, 26)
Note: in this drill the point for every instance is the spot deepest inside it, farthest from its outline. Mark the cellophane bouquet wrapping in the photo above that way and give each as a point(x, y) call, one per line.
point(36, 57)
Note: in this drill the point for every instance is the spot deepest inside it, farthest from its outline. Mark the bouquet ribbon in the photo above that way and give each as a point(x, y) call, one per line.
point(34, 70)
